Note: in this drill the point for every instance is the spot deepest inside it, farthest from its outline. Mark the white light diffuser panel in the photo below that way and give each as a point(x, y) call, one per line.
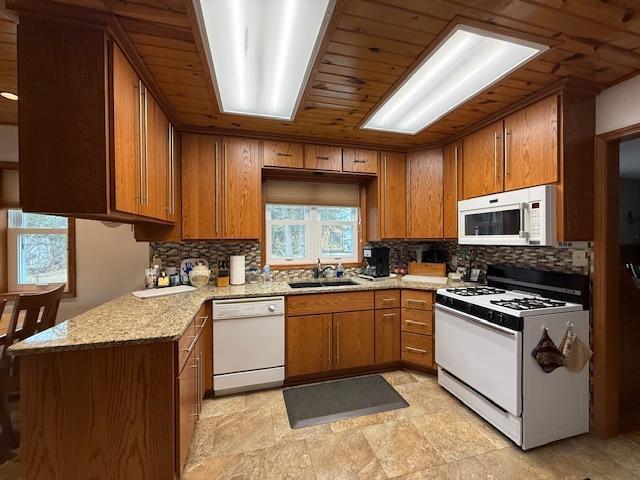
point(465, 63)
point(262, 51)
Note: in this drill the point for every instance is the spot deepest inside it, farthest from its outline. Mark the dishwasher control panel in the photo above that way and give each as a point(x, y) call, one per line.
point(248, 307)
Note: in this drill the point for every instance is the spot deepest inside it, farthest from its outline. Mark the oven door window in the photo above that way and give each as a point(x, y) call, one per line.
point(498, 223)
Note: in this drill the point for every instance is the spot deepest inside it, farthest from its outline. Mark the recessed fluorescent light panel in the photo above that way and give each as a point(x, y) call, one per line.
point(262, 51)
point(466, 62)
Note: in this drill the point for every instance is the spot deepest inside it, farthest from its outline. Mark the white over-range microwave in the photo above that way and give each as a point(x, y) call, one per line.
point(520, 217)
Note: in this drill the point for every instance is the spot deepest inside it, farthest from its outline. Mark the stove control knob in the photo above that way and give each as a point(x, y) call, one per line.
point(468, 307)
point(500, 318)
point(490, 314)
point(450, 301)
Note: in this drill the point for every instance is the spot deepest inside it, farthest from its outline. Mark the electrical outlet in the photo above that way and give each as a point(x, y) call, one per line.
point(579, 258)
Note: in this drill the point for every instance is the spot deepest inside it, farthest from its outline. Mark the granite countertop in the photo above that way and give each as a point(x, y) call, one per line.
point(131, 320)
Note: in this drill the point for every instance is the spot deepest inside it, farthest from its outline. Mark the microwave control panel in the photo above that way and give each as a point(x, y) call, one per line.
point(535, 218)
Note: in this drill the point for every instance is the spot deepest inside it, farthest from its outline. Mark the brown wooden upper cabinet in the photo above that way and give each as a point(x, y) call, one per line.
point(452, 172)
point(424, 194)
point(531, 145)
point(93, 140)
point(283, 154)
point(483, 161)
point(323, 157)
point(358, 160)
point(221, 189)
point(387, 199)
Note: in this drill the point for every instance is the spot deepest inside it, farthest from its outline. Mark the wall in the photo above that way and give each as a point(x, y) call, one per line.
point(618, 106)
point(109, 262)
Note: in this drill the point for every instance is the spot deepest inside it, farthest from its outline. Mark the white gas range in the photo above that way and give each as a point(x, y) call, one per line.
point(484, 339)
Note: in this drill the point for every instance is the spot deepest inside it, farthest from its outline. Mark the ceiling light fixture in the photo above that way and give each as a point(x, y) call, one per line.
point(466, 62)
point(262, 51)
point(9, 95)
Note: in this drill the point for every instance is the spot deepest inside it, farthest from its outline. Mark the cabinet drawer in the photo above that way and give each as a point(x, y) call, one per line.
point(417, 321)
point(417, 299)
point(357, 160)
point(283, 154)
point(186, 344)
point(417, 349)
point(387, 299)
point(329, 303)
point(323, 157)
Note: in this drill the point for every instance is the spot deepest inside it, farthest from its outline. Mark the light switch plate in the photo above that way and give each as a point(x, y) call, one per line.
point(579, 258)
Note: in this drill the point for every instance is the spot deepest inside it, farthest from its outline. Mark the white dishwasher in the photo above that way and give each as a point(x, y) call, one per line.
point(248, 344)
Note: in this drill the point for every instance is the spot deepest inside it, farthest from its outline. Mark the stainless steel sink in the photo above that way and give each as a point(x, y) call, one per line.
point(321, 284)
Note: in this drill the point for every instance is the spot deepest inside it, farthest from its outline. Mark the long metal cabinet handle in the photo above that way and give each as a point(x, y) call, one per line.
point(413, 322)
point(495, 156)
point(140, 196)
point(417, 350)
point(507, 135)
point(223, 163)
point(383, 199)
point(216, 180)
point(329, 345)
point(337, 343)
point(146, 148)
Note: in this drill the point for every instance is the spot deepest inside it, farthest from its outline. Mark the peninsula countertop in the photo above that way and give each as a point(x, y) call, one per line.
point(128, 320)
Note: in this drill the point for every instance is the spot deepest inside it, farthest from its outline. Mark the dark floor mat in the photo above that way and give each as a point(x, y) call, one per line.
point(330, 401)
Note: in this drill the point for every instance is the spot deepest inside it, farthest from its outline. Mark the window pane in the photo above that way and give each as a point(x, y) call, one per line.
point(284, 212)
point(42, 258)
point(18, 219)
point(288, 241)
point(337, 241)
point(342, 214)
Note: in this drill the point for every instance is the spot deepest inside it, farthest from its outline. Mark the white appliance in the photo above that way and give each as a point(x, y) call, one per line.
point(485, 336)
point(519, 217)
point(248, 344)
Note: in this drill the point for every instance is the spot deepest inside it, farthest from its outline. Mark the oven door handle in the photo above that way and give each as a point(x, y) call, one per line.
point(477, 321)
point(522, 233)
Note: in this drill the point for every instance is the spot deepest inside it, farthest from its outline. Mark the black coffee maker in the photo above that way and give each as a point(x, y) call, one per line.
point(376, 262)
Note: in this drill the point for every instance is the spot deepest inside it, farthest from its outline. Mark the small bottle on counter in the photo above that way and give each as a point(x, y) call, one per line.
point(340, 270)
point(266, 273)
point(149, 278)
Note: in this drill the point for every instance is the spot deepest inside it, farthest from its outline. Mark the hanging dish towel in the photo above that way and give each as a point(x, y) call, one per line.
point(548, 356)
point(575, 352)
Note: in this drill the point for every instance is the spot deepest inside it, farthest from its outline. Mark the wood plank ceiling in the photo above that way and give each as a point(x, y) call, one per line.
point(370, 44)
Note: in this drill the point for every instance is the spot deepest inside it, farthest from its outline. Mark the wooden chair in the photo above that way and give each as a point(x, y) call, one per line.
point(40, 311)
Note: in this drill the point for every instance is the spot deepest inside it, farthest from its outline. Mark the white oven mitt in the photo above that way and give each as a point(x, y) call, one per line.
point(575, 352)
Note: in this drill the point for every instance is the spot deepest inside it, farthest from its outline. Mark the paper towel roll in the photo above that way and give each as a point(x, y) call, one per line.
point(236, 265)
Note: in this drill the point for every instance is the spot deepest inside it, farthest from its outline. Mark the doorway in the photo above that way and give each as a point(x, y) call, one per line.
point(616, 327)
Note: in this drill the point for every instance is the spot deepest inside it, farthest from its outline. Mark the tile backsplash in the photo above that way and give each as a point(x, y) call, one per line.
point(401, 252)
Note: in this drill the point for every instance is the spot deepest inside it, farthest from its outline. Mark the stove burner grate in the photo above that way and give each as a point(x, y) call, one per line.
point(475, 291)
point(530, 303)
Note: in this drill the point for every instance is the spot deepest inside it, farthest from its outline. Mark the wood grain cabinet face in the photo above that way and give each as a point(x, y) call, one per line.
point(424, 194)
point(283, 154)
point(393, 195)
point(242, 197)
point(201, 218)
point(387, 335)
point(531, 145)
point(187, 409)
point(483, 161)
point(309, 344)
point(126, 126)
point(353, 339)
point(358, 160)
point(323, 157)
point(452, 172)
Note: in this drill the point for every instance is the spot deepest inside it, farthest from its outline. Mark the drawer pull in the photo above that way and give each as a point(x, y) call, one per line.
point(359, 161)
point(388, 299)
point(417, 350)
point(413, 322)
point(417, 302)
point(204, 321)
point(193, 344)
point(322, 158)
point(388, 314)
point(281, 154)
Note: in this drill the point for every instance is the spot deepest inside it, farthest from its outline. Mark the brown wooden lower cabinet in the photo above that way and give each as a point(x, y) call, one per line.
point(387, 341)
point(309, 344)
point(417, 349)
point(353, 339)
point(187, 408)
point(417, 328)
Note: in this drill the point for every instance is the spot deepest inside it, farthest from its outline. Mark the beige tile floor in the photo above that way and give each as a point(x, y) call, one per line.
point(248, 437)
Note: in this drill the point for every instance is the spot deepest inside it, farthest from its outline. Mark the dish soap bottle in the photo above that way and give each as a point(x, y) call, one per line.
point(266, 273)
point(339, 270)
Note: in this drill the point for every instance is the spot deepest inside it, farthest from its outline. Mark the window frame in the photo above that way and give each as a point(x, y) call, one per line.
point(313, 236)
point(12, 234)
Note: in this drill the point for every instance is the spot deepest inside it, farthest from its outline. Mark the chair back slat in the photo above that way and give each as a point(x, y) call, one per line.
point(40, 310)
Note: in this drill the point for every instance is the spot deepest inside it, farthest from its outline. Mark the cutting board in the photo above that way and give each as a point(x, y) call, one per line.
point(430, 269)
point(161, 292)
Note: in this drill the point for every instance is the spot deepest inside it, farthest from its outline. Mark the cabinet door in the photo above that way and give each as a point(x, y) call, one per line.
point(322, 157)
point(358, 160)
point(309, 340)
point(126, 137)
point(531, 145)
point(173, 176)
point(387, 335)
point(424, 194)
point(200, 187)
point(242, 198)
point(204, 328)
point(483, 161)
point(393, 195)
point(186, 411)
point(283, 154)
point(452, 188)
point(158, 161)
point(353, 339)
